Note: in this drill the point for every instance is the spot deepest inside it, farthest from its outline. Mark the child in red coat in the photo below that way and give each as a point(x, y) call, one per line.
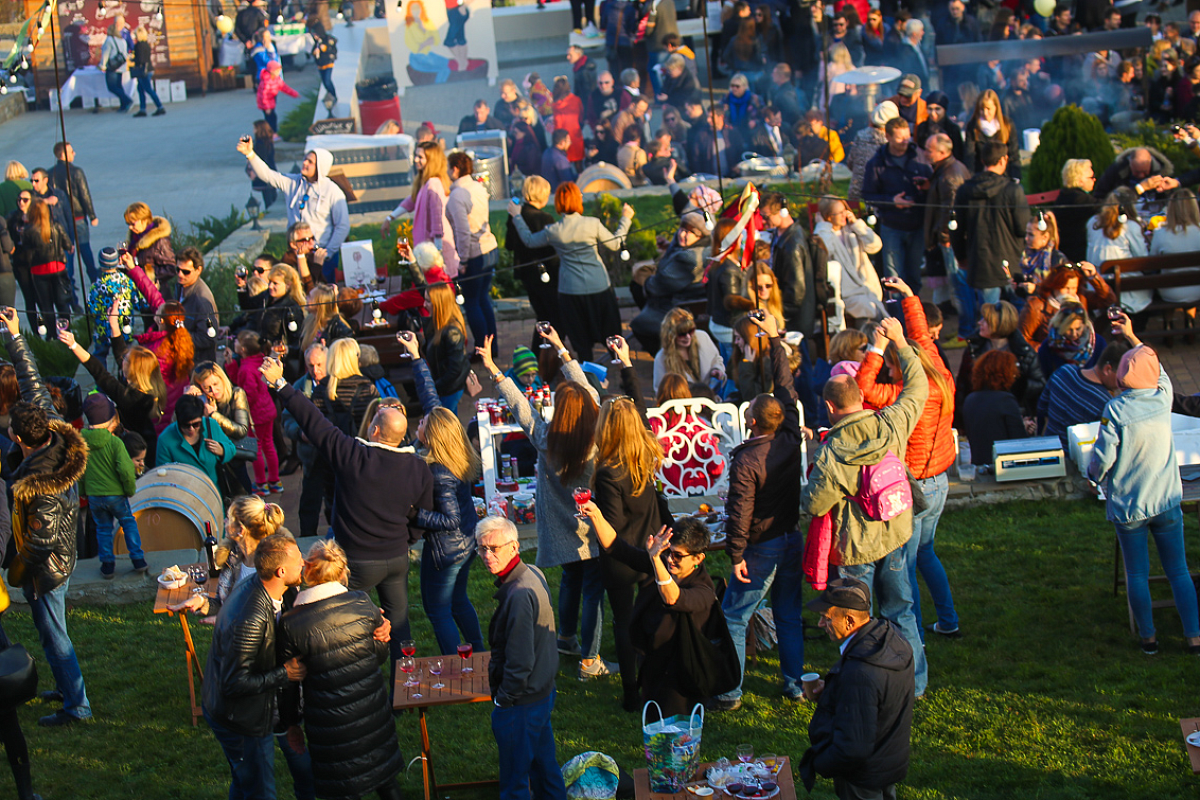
point(270, 84)
point(251, 351)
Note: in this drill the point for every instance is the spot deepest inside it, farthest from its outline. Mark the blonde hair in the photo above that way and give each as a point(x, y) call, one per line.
point(256, 284)
point(137, 212)
point(625, 444)
point(445, 311)
point(675, 320)
point(449, 446)
point(15, 171)
point(774, 304)
point(428, 256)
point(141, 35)
point(209, 369)
point(291, 278)
point(142, 372)
point(1182, 211)
point(536, 190)
point(257, 518)
point(840, 54)
point(435, 167)
point(368, 420)
point(341, 363)
point(844, 346)
point(1072, 172)
point(1001, 318)
point(322, 309)
point(326, 562)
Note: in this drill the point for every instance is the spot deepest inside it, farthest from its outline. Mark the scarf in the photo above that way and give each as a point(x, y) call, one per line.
point(1036, 264)
point(1078, 353)
point(989, 127)
point(739, 109)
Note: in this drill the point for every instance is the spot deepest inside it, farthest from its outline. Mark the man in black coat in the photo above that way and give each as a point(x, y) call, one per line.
point(992, 214)
point(65, 174)
point(480, 120)
point(792, 265)
point(895, 182)
point(862, 726)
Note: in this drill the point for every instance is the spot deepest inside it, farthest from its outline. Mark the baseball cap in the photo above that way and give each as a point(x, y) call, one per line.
point(849, 593)
point(1138, 369)
point(908, 85)
point(98, 409)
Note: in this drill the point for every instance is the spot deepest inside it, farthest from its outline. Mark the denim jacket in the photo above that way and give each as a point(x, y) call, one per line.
point(1134, 456)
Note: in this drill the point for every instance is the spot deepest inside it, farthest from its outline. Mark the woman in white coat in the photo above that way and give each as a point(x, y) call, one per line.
point(849, 242)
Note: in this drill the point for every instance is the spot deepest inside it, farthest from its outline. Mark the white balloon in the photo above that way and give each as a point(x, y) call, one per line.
point(1044, 7)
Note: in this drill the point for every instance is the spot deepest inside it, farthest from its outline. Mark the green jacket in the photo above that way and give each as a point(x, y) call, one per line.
point(109, 467)
point(861, 439)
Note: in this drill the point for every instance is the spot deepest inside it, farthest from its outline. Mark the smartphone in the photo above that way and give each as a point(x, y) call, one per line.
point(516, 200)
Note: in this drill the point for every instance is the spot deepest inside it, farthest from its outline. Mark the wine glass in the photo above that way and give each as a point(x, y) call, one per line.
point(758, 314)
point(464, 652)
point(745, 753)
point(201, 578)
point(416, 681)
point(582, 495)
point(543, 327)
point(435, 669)
point(613, 342)
point(407, 665)
point(62, 323)
point(408, 647)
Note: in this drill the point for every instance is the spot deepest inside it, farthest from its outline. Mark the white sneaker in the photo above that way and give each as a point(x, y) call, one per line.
point(590, 30)
point(597, 669)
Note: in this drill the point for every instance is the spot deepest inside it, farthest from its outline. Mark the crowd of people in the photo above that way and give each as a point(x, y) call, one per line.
point(817, 323)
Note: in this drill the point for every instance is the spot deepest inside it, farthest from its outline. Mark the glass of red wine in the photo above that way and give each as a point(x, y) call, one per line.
point(613, 342)
point(407, 666)
point(464, 652)
point(543, 328)
point(582, 495)
point(408, 647)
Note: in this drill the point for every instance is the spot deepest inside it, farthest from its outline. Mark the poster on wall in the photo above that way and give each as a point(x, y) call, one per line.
point(441, 41)
point(85, 25)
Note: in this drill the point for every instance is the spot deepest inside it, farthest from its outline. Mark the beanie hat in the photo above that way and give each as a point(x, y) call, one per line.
point(109, 259)
point(694, 222)
point(1138, 369)
point(524, 361)
point(98, 409)
point(938, 99)
point(883, 112)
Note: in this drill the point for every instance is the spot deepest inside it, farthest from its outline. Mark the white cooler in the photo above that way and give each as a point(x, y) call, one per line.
point(1185, 430)
point(1028, 459)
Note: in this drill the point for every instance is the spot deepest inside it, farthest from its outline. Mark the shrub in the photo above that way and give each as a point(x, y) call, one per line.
point(294, 127)
point(1071, 133)
point(641, 244)
point(208, 232)
point(1147, 134)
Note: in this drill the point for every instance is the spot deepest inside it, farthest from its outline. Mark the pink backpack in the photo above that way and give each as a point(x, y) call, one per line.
point(885, 492)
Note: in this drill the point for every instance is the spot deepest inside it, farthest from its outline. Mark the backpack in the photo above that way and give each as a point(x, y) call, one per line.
point(885, 492)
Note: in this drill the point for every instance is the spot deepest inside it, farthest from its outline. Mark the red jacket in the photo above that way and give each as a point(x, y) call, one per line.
point(262, 407)
point(269, 87)
point(931, 447)
point(568, 116)
point(817, 546)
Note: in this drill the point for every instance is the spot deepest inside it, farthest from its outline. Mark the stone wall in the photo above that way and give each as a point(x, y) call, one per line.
point(11, 105)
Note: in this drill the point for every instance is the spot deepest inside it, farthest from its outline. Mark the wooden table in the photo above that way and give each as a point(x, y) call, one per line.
point(641, 784)
point(459, 688)
point(1189, 726)
point(171, 597)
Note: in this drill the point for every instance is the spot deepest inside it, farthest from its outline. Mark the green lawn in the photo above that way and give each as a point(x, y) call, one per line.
point(1046, 696)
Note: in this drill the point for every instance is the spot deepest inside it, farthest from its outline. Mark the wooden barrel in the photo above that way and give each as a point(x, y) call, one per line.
point(172, 505)
point(602, 177)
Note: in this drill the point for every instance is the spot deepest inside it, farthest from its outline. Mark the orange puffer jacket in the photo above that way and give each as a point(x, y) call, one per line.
point(931, 447)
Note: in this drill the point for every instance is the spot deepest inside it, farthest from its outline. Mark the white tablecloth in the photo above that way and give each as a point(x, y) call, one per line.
point(88, 83)
point(295, 41)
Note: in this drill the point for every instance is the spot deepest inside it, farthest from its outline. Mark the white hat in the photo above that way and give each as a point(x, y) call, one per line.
point(883, 112)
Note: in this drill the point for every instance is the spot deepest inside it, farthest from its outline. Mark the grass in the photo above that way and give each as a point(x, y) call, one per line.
point(1046, 696)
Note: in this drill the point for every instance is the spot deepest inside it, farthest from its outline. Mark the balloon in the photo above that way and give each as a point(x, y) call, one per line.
point(225, 24)
point(1044, 7)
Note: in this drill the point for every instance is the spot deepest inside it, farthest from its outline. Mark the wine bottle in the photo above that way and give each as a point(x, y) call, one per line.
point(210, 548)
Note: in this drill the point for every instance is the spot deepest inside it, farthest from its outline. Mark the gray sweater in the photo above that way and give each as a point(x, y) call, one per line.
point(562, 538)
point(524, 645)
point(576, 238)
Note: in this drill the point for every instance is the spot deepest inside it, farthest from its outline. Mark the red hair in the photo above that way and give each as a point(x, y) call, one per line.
point(572, 434)
point(568, 200)
point(996, 371)
point(177, 348)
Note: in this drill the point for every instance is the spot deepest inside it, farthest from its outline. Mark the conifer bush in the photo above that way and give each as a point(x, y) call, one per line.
point(1071, 133)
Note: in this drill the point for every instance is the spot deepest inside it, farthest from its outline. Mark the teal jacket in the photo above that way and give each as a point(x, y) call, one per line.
point(174, 449)
point(110, 470)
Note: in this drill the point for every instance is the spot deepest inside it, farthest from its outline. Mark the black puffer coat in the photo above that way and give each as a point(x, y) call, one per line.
point(350, 731)
point(861, 728)
point(346, 411)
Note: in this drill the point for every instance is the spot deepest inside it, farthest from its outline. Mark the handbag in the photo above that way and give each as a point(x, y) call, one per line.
point(18, 677)
point(246, 448)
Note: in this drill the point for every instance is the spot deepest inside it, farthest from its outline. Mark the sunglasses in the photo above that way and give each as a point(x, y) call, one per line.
point(685, 332)
point(191, 426)
point(303, 201)
point(309, 240)
point(676, 556)
point(24, 199)
point(259, 270)
point(185, 272)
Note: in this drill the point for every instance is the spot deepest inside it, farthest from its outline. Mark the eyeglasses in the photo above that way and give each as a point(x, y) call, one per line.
point(191, 426)
point(303, 201)
point(493, 549)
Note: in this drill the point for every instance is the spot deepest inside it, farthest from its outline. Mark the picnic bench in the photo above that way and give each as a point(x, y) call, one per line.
point(1154, 273)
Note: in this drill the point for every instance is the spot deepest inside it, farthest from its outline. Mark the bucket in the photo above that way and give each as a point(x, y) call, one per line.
point(489, 162)
point(1031, 137)
point(172, 505)
point(373, 113)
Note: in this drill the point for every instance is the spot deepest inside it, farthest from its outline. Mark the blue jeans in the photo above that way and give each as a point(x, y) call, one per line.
point(780, 557)
point(105, 511)
point(903, 255)
point(528, 763)
point(114, 82)
point(476, 286)
point(145, 86)
point(888, 579)
point(582, 581)
point(329, 268)
point(920, 555)
point(1167, 529)
point(444, 596)
point(251, 762)
point(300, 766)
point(49, 612)
point(963, 292)
point(327, 80)
point(451, 401)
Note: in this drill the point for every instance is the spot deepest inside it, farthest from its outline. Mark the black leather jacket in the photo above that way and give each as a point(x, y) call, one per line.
point(45, 490)
point(794, 271)
point(80, 194)
point(244, 674)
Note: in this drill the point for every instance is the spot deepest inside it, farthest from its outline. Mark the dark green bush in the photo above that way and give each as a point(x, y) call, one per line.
point(294, 127)
point(1071, 133)
point(1147, 134)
